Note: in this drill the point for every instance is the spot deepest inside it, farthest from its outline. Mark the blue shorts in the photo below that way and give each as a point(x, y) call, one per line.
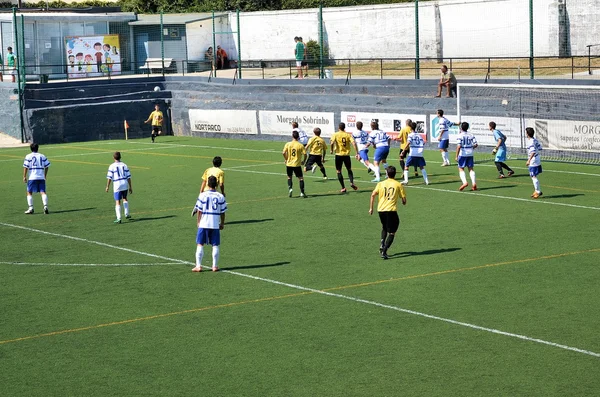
point(364, 154)
point(444, 143)
point(121, 195)
point(465, 162)
point(381, 153)
point(500, 155)
point(415, 161)
point(535, 171)
point(36, 186)
point(210, 236)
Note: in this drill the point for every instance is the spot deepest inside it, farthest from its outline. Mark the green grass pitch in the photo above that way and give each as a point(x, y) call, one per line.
point(486, 293)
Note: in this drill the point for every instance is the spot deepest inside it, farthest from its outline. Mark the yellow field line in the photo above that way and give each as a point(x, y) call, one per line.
point(272, 298)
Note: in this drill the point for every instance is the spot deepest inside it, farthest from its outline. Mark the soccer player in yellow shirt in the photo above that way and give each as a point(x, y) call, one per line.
point(294, 155)
point(404, 147)
point(341, 145)
point(157, 119)
point(316, 148)
point(389, 192)
point(215, 171)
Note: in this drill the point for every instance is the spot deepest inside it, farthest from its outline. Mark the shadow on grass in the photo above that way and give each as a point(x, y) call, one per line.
point(443, 182)
point(563, 195)
point(256, 266)
point(496, 187)
point(249, 221)
point(155, 218)
point(74, 210)
point(426, 252)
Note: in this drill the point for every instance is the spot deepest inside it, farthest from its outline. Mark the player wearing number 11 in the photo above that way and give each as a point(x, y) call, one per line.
point(389, 192)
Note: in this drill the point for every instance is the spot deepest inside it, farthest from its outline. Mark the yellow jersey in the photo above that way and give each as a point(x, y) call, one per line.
point(295, 152)
point(389, 192)
point(217, 173)
point(343, 143)
point(316, 146)
point(403, 137)
point(156, 117)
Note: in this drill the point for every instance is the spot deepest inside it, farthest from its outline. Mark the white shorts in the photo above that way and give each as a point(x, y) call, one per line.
point(299, 64)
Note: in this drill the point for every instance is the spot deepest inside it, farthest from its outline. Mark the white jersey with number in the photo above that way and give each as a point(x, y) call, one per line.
point(118, 173)
point(212, 204)
point(361, 138)
point(36, 163)
point(444, 126)
point(379, 138)
point(467, 143)
point(534, 147)
point(303, 138)
point(416, 143)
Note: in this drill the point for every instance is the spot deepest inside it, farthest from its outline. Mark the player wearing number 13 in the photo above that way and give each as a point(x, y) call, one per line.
point(389, 192)
point(294, 155)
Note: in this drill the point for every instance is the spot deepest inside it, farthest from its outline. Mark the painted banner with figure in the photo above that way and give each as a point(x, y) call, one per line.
point(280, 122)
point(223, 121)
point(92, 56)
point(391, 123)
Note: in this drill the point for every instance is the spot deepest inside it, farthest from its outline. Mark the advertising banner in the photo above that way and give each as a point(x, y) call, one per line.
point(280, 123)
point(388, 122)
point(479, 127)
point(223, 121)
point(89, 56)
point(568, 135)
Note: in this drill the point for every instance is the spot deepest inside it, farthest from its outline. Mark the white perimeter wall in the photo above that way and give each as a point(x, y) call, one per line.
point(448, 28)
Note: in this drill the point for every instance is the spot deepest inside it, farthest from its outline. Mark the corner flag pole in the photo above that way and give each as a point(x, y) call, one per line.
point(126, 128)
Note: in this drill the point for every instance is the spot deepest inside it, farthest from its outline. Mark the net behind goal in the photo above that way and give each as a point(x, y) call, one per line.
point(565, 118)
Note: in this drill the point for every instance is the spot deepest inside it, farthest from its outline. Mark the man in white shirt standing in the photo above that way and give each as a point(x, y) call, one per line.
point(119, 174)
point(444, 126)
point(211, 207)
point(534, 161)
point(37, 165)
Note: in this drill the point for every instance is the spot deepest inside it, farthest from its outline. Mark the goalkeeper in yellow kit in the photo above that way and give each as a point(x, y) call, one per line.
point(157, 120)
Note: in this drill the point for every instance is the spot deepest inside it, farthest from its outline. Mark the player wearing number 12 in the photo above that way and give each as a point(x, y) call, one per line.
point(389, 192)
point(294, 155)
point(119, 174)
point(341, 145)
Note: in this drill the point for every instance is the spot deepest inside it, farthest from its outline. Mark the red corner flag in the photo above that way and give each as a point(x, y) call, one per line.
point(126, 129)
point(126, 125)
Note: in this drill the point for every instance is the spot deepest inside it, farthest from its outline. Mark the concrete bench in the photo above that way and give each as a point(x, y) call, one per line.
point(155, 65)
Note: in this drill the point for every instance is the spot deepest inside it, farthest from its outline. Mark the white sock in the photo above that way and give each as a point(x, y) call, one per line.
point(118, 211)
point(472, 175)
point(406, 176)
point(463, 176)
point(445, 156)
point(385, 165)
point(363, 163)
point(45, 200)
point(199, 255)
point(30, 201)
point(372, 167)
point(377, 173)
point(536, 183)
point(126, 208)
point(424, 176)
point(215, 255)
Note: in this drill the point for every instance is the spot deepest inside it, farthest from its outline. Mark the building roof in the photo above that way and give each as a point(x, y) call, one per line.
point(172, 19)
point(49, 16)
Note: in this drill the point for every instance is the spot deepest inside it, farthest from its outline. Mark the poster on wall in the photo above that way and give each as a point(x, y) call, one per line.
point(567, 135)
point(479, 127)
point(279, 123)
point(391, 123)
point(223, 121)
point(91, 56)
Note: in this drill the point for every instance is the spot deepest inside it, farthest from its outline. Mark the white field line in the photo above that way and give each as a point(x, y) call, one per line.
point(441, 190)
point(331, 294)
point(88, 264)
point(95, 153)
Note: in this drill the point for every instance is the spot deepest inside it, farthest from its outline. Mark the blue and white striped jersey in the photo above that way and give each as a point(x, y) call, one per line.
point(416, 143)
point(467, 143)
point(212, 204)
point(118, 173)
point(379, 138)
point(534, 147)
point(361, 138)
point(302, 137)
point(444, 126)
point(36, 163)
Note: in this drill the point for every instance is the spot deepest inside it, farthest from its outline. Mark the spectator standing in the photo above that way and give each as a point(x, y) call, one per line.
point(299, 53)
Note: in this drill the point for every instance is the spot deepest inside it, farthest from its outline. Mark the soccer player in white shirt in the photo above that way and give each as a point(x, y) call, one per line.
point(444, 126)
point(464, 156)
point(119, 175)
point(37, 165)
point(361, 139)
point(534, 162)
point(211, 206)
point(415, 154)
point(302, 136)
point(381, 142)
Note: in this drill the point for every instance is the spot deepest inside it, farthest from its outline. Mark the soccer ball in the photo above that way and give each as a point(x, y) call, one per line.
point(157, 88)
